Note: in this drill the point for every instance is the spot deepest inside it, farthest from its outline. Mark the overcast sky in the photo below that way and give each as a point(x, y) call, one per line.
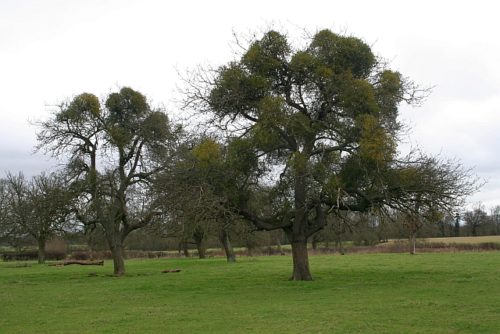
point(52, 50)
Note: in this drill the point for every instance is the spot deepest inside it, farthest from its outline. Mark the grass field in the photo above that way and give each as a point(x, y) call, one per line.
point(467, 240)
point(363, 293)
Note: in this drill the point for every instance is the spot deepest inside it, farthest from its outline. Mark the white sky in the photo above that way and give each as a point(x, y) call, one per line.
point(51, 50)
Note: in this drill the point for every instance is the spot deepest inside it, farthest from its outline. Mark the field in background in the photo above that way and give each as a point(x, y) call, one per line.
point(450, 244)
point(467, 240)
point(366, 293)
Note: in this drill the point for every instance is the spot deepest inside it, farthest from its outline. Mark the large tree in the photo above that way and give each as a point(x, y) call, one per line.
point(114, 149)
point(321, 119)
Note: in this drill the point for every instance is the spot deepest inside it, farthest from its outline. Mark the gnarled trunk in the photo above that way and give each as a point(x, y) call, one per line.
point(41, 250)
point(118, 254)
point(228, 248)
point(297, 234)
point(300, 261)
point(118, 260)
point(199, 239)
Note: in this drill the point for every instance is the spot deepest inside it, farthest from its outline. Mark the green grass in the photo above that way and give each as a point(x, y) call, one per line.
point(369, 293)
point(467, 240)
point(455, 240)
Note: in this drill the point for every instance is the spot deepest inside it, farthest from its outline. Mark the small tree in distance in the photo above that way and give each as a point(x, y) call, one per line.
point(476, 218)
point(36, 207)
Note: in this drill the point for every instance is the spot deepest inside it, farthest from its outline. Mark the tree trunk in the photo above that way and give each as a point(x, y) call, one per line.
point(297, 234)
point(314, 242)
point(201, 249)
point(413, 242)
point(340, 247)
point(90, 243)
point(300, 260)
point(442, 229)
point(456, 230)
point(250, 250)
point(118, 254)
point(41, 250)
point(185, 249)
point(228, 248)
point(280, 250)
point(199, 238)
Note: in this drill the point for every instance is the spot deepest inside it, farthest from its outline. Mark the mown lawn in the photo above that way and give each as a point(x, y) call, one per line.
point(362, 293)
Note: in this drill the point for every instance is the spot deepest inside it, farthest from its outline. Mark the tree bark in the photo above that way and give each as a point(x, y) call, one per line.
point(228, 248)
point(118, 254)
point(41, 250)
point(300, 257)
point(297, 233)
point(201, 250)
point(199, 238)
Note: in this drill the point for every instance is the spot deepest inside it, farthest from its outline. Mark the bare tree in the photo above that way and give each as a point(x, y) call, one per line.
point(476, 218)
point(37, 208)
point(495, 218)
point(426, 188)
